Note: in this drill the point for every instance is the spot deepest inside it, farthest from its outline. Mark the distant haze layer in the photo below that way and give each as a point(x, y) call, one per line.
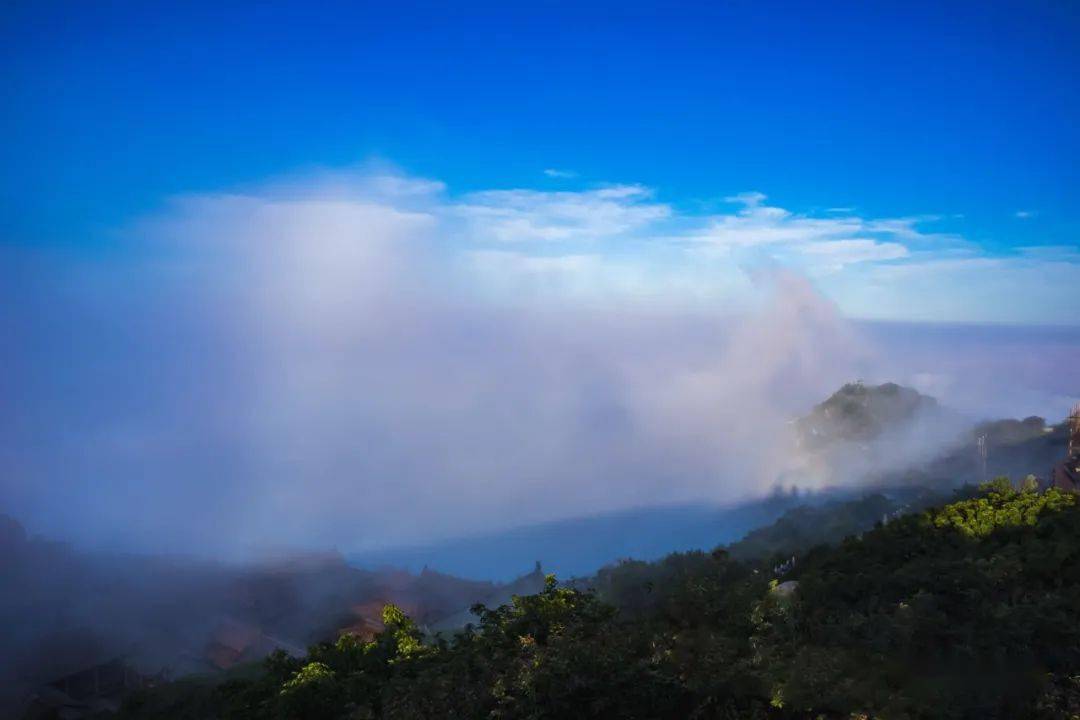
point(312, 367)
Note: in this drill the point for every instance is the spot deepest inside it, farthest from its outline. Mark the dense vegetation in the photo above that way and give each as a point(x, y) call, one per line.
point(970, 610)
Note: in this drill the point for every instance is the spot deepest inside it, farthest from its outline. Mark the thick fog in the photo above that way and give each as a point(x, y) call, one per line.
point(319, 363)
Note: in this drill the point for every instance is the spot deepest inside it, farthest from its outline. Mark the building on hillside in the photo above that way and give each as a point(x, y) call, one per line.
point(1066, 474)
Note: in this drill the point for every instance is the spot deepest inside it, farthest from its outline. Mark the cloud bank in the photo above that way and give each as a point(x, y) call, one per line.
point(364, 359)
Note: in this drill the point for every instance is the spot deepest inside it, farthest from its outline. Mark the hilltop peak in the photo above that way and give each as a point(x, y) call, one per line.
point(858, 412)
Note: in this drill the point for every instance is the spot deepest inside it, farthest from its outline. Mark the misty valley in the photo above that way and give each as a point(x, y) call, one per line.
point(860, 585)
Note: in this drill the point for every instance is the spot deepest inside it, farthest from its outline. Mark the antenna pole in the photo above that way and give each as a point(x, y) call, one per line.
point(981, 451)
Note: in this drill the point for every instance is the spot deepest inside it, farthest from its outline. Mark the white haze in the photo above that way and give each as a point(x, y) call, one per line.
point(312, 365)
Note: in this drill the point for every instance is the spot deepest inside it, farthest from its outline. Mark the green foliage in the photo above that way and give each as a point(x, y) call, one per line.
point(313, 692)
point(1060, 698)
point(971, 610)
point(804, 527)
point(1001, 507)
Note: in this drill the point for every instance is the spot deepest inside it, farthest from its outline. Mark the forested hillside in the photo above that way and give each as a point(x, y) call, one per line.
point(966, 610)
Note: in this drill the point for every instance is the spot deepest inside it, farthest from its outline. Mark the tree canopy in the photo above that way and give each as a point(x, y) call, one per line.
point(968, 610)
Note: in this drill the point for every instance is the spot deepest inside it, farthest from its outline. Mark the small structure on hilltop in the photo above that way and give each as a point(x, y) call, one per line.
point(1066, 474)
point(784, 568)
point(981, 452)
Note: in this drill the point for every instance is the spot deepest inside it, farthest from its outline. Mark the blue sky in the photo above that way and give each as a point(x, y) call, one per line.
point(960, 116)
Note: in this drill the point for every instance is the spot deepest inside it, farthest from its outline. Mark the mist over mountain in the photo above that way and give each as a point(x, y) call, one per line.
point(171, 617)
point(67, 611)
point(295, 376)
point(70, 609)
point(860, 440)
point(265, 368)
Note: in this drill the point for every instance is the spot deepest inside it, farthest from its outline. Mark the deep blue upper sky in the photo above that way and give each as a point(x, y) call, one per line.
point(896, 108)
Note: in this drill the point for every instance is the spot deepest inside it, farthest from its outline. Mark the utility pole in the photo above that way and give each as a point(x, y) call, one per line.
point(981, 451)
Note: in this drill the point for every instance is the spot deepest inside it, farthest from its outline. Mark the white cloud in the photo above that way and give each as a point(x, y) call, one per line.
point(539, 264)
point(533, 215)
point(1024, 214)
point(758, 231)
point(749, 199)
point(619, 243)
point(844, 252)
point(560, 174)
